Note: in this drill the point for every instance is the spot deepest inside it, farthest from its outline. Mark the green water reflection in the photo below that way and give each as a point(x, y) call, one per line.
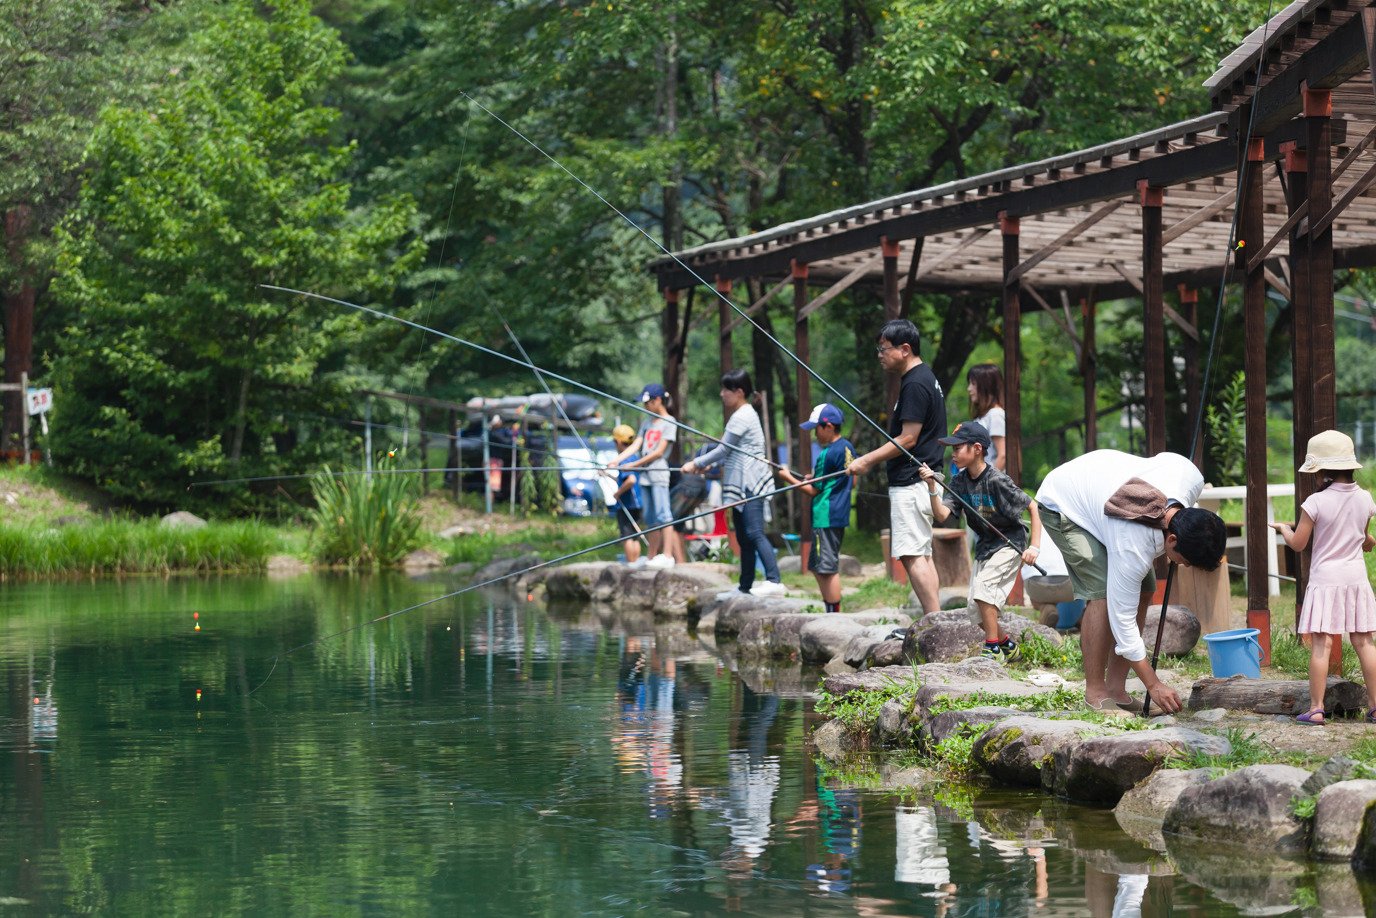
point(482, 756)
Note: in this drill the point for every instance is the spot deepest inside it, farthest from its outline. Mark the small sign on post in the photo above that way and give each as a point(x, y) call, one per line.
point(40, 401)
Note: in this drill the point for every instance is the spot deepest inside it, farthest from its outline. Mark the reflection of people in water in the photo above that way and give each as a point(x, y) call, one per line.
point(919, 856)
point(839, 822)
point(1120, 896)
point(642, 737)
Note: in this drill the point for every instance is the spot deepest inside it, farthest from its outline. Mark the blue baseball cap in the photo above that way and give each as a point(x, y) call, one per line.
point(652, 391)
point(823, 414)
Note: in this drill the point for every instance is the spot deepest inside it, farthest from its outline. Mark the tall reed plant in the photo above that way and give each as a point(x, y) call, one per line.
point(366, 520)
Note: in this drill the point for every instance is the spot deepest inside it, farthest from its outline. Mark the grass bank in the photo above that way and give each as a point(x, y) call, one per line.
point(122, 546)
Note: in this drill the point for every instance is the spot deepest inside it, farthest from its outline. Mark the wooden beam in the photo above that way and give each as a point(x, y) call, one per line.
point(1251, 225)
point(1255, 259)
point(1275, 280)
point(932, 264)
point(1060, 322)
point(1170, 313)
point(1012, 359)
point(1153, 319)
point(1064, 239)
point(1212, 209)
point(840, 287)
point(756, 306)
point(1349, 194)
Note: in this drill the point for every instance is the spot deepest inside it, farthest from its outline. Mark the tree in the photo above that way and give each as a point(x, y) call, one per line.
point(60, 59)
point(178, 365)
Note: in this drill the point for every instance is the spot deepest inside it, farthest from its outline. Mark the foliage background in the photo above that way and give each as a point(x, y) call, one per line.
point(334, 147)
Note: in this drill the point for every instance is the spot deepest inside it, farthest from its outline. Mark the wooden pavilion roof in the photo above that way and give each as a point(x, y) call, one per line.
point(1081, 228)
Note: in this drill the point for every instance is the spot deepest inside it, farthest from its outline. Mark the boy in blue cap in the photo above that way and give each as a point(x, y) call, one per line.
point(1000, 504)
point(830, 500)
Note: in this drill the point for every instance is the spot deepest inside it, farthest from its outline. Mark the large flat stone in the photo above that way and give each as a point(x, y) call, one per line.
point(778, 636)
point(1142, 810)
point(1338, 816)
point(676, 589)
point(938, 727)
point(1016, 750)
point(1250, 806)
point(739, 608)
point(1102, 769)
point(829, 635)
point(577, 582)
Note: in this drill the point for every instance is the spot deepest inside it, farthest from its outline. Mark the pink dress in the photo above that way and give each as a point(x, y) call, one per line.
point(1338, 598)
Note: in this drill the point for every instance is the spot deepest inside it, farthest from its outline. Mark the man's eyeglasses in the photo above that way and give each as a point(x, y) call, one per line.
point(886, 347)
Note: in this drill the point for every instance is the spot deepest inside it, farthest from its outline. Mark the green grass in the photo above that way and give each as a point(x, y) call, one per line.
point(859, 710)
point(1247, 749)
point(120, 546)
point(877, 593)
point(365, 521)
point(552, 540)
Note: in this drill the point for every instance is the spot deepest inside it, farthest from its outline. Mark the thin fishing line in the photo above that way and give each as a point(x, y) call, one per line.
point(970, 510)
point(559, 406)
point(507, 357)
point(534, 567)
point(1229, 253)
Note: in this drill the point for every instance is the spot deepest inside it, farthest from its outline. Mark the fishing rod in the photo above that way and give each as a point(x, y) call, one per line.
point(534, 567)
point(559, 406)
point(740, 312)
point(1233, 245)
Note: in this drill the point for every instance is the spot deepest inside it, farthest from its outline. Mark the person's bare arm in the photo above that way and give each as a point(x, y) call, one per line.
point(998, 452)
point(907, 438)
point(625, 454)
point(1297, 538)
point(940, 512)
point(1034, 540)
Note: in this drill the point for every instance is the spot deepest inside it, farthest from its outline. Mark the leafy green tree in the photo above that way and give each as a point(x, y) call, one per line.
point(60, 60)
point(178, 365)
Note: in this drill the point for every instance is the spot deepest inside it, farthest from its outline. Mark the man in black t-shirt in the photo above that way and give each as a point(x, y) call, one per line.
point(917, 423)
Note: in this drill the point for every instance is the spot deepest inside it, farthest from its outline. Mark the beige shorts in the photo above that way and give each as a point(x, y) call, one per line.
point(910, 521)
point(991, 580)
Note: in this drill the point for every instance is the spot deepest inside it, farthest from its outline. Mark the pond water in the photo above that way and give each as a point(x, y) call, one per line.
point(486, 756)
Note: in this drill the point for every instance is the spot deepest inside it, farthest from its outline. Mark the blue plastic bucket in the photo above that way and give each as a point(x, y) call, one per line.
point(1069, 613)
point(1234, 653)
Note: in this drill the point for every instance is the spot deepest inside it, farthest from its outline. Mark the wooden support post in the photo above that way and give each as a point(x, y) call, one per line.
point(1252, 232)
point(1189, 307)
point(1318, 116)
point(455, 451)
point(1012, 325)
point(673, 365)
point(1089, 369)
point(893, 305)
point(1301, 344)
point(1318, 111)
point(725, 354)
point(1153, 317)
point(802, 461)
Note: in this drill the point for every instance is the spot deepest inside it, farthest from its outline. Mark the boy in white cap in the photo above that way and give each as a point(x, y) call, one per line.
point(830, 500)
point(1001, 546)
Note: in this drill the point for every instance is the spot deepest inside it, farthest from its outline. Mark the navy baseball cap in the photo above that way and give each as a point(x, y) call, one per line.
point(823, 414)
point(968, 432)
point(653, 390)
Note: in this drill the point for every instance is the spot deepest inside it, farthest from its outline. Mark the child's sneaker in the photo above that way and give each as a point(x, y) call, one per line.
point(1005, 651)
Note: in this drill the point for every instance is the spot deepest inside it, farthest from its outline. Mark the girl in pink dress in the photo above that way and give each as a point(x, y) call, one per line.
point(1338, 599)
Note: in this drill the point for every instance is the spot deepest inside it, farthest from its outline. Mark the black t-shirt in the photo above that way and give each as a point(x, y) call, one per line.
point(919, 399)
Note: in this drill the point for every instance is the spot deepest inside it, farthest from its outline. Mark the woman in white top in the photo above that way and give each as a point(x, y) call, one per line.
point(985, 386)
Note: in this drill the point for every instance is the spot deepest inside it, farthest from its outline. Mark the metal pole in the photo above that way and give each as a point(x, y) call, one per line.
point(368, 436)
point(24, 413)
point(487, 467)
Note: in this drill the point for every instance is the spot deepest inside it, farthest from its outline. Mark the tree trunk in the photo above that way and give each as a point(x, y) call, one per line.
point(236, 450)
point(19, 308)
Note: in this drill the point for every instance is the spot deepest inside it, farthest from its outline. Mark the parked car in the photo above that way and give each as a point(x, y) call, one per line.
point(585, 492)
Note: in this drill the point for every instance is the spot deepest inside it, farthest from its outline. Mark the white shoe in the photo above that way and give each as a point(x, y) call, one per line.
point(769, 588)
point(660, 562)
point(637, 564)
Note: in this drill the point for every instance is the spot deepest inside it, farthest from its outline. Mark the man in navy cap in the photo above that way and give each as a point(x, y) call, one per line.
point(830, 500)
point(653, 442)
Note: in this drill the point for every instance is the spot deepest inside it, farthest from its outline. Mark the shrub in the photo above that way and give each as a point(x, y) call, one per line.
point(364, 521)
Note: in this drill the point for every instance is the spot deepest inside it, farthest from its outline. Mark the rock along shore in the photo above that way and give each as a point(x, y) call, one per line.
point(921, 684)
